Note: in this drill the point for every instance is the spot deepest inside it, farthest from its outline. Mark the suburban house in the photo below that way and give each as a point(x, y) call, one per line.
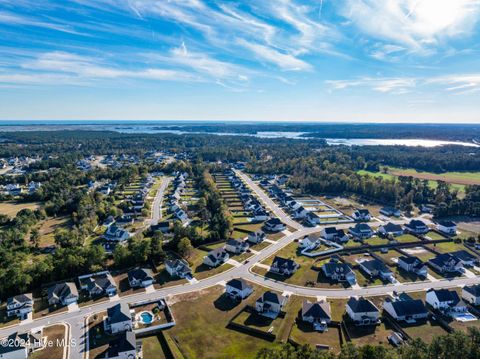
point(309, 242)
point(65, 293)
point(114, 233)
point(283, 266)
point(471, 294)
point(361, 231)
point(446, 263)
point(122, 347)
point(260, 215)
point(362, 311)
point(334, 234)
point(256, 237)
point(238, 289)
point(416, 226)
point(178, 268)
point(20, 346)
point(236, 246)
point(318, 314)
point(270, 304)
point(118, 319)
point(390, 212)
point(446, 301)
point(447, 227)
point(312, 219)
point(140, 277)
point(390, 229)
point(20, 305)
point(124, 220)
point(163, 227)
point(300, 213)
point(216, 257)
point(376, 268)
point(404, 308)
point(412, 265)
point(467, 259)
point(274, 225)
point(361, 215)
point(181, 215)
point(101, 284)
point(339, 271)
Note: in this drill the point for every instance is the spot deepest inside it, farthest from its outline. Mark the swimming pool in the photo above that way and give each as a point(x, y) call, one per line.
point(465, 317)
point(146, 317)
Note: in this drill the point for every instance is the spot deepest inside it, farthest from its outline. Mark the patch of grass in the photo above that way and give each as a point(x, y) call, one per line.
point(374, 335)
point(201, 330)
point(152, 349)
point(426, 330)
point(446, 247)
point(11, 208)
point(4, 320)
point(406, 238)
point(55, 334)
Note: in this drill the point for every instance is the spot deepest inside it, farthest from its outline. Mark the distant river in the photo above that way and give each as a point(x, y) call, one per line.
point(5, 126)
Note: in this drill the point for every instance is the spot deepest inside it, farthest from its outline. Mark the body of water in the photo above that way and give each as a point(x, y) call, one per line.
point(139, 127)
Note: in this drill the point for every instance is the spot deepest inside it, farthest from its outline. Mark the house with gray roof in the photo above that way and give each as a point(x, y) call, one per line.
point(317, 313)
point(64, 293)
point(118, 319)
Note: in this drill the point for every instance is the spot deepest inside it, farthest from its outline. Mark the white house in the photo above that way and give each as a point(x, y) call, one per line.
point(140, 277)
point(376, 268)
point(270, 304)
point(299, 213)
point(256, 237)
point(238, 289)
point(312, 219)
point(216, 257)
point(65, 293)
point(361, 215)
point(339, 272)
point(178, 268)
point(274, 225)
point(236, 246)
point(471, 294)
point(447, 227)
point(446, 301)
point(117, 234)
point(20, 305)
point(361, 230)
point(412, 265)
point(416, 226)
point(260, 215)
point(362, 311)
point(390, 212)
point(309, 242)
point(406, 309)
point(118, 319)
point(318, 314)
point(390, 229)
point(283, 266)
point(447, 263)
point(334, 234)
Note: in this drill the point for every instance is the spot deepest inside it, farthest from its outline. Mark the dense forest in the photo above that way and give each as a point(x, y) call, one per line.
point(457, 345)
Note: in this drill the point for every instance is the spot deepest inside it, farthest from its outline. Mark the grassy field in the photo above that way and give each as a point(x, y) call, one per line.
point(11, 208)
point(406, 238)
point(54, 334)
point(426, 331)
point(370, 334)
point(458, 180)
point(446, 247)
point(48, 227)
point(152, 349)
point(303, 333)
point(201, 330)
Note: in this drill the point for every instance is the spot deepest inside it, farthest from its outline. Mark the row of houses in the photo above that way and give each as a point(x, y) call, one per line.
point(179, 188)
point(66, 293)
point(250, 203)
point(15, 189)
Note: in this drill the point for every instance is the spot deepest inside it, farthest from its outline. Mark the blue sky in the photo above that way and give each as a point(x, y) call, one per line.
point(285, 60)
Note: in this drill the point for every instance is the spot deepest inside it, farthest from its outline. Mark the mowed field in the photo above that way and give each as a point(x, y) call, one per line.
point(11, 208)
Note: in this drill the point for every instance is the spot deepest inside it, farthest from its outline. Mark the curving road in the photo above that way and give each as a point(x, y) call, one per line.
point(76, 319)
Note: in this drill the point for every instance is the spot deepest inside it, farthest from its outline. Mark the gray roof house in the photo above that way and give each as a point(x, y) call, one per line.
point(124, 346)
point(140, 277)
point(361, 230)
point(376, 268)
point(178, 268)
point(362, 311)
point(406, 309)
point(283, 266)
point(62, 293)
point(216, 257)
point(20, 305)
point(238, 288)
point(270, 304)
point(101, 284)
point(317, 313)
point(339, 272)
point(118, 318)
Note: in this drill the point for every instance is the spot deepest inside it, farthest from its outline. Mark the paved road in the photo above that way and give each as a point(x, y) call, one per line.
point(76, 319)
point(158, 201)
point(269, 202)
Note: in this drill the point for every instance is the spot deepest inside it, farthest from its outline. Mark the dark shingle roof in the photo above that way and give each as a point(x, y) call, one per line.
point(445, 295)
point(361, 305)
point(473, 289)
point(409, 307)
point(119, 313)
point(140, 274)
point(391, 227)
point(238, 283)
point(318, 310)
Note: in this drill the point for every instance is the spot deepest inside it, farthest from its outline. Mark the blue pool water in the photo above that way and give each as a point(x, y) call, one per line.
point(465, 317)
point(147, 318)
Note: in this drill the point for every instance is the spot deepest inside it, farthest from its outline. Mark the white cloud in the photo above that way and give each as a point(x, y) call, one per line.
point(283, 60)
point(417, 24)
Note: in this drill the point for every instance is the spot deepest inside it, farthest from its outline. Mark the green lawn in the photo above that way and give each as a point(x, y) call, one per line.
point(152, 349)
point(303, 333)
point(406, 238)
point(374, 335)
point(201, 330)
point(434, 236)
point(446, 247)
point(426, 331)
